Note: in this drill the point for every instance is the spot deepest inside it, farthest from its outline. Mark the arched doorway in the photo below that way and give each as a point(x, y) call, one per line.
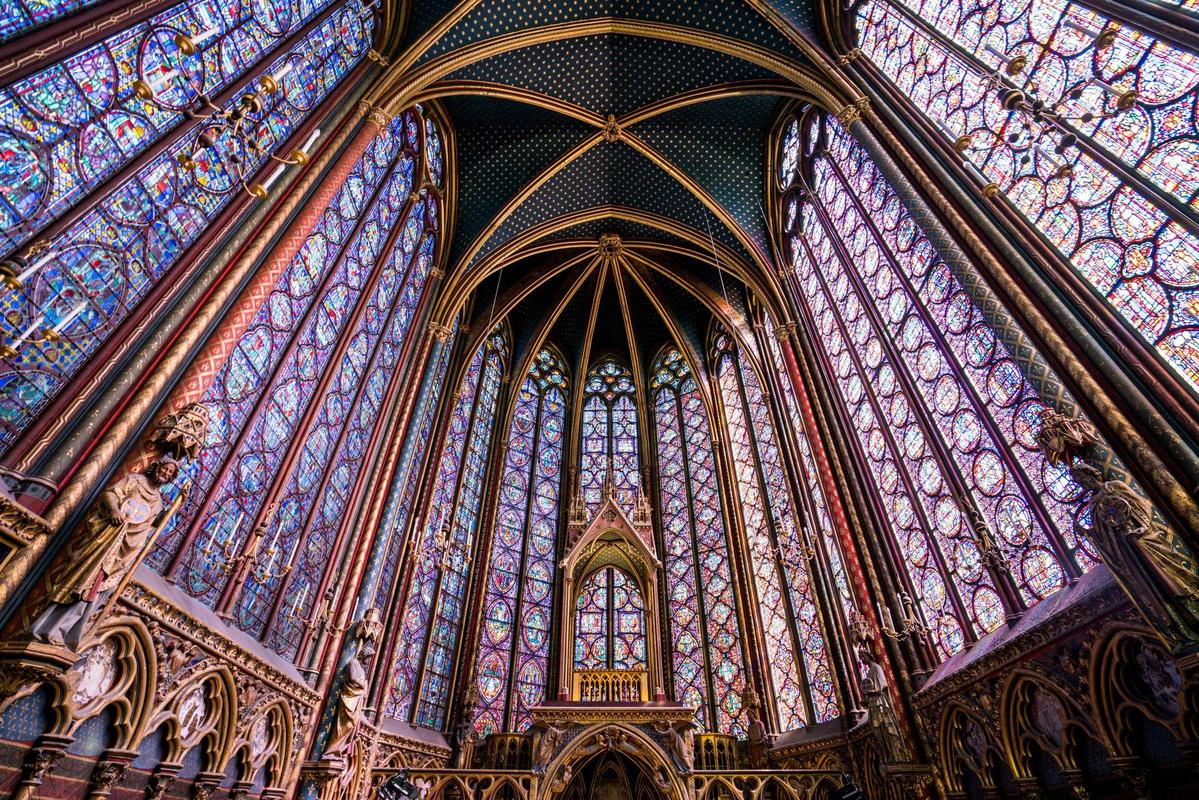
point(612, 776)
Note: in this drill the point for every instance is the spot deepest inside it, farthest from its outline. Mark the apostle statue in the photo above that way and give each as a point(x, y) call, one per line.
point(880, 712)
point(683, 744)
point(464, 732)
point(1160, 571)
point(759, 739)
point(547, 746)
point(114, 536)
point(351, 695)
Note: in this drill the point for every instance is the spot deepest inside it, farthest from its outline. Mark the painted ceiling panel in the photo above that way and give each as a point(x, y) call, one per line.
point(422, 16)
point(800, 13)
point(502, 146)
point(623, 228)
point(729, 17)
point(721, 145)
point(608, 174)
point(611, 73)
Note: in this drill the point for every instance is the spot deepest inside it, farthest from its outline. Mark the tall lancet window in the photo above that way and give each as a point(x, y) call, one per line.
point(1113, 184)
point(77, 136)
point(364, 292)
point(610, 452)
point(706, 656)
point(799, 668)
point(432, 617)
point(944, 417)
point(514, 649)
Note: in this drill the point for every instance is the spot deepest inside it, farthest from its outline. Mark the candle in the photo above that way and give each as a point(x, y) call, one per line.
point(299, 601)
point(316, 134)
point(160, 82)
point(25, 334)
point(229, 534)
point(295, 548)
point(275, 538)
point(35, 266)
point(203, 36)
point(69, 318)
point(1075, 25)
point(269, 182)
point(884, 613)
point(212, 529)
point(288, 66)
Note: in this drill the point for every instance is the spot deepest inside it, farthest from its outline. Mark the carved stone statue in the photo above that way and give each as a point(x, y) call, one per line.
point(1139, 547)
point(759, 739)
point(683, 744)
point(547, 746)
point(351, 695)
point(464, 732)
point(1157, 569)
point(109, 543)
point(879, 710)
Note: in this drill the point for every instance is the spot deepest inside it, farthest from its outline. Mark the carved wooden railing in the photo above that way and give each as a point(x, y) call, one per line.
point(804, 784)
point(611, 686)
point(464, 784)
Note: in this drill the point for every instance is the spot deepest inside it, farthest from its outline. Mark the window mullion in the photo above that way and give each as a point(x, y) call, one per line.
point(965, 620)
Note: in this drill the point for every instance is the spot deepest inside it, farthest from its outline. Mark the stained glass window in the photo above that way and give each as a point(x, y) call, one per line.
point(432, 616)
point(74, 123)
point(402, 494)
point(400, 289)
point(828, 541)
point(1115, 186)
point(610, 622)
point(19, 16)
point(101, 266)
point(941, 410)
point(610, 450)
point(241, 460)
point(706, 654)
point(513, 659)
point(778, 547)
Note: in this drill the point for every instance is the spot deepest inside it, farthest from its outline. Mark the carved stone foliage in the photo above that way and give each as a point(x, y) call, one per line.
point(162, 670)
point(1060, 707)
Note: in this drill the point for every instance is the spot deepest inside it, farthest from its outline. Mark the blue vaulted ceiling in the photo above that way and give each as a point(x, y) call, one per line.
point(694, 86)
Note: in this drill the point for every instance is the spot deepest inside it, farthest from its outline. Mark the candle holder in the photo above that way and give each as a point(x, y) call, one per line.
point(229, 132)
point(1045, 129)
point(910, 623)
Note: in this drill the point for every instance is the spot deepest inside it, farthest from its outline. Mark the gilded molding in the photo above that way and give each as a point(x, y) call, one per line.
point(76, 34)
point(848, 57)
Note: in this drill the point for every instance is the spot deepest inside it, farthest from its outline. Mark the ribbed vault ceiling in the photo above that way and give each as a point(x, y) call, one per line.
point(571, 119)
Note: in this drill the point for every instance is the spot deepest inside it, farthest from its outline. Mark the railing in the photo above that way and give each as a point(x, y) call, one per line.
point(716, 751)
point(611, 686)
point(507, 751)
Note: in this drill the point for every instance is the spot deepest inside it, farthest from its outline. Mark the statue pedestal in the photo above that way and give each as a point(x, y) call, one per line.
point(22, 663)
